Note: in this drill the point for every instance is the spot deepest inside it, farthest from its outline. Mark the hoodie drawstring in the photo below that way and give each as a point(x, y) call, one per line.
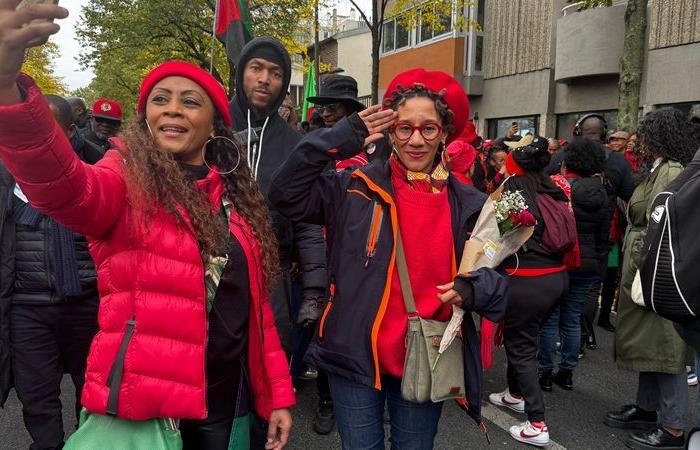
point(254, 156)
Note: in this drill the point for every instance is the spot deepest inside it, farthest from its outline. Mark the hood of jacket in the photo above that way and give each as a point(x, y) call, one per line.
point(588, 193)
point(246, 55)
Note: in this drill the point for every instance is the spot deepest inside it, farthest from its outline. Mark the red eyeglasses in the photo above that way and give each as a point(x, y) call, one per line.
point(404, 130)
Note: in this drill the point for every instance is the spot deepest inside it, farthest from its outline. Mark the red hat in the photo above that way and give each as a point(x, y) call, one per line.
point(204, 79)
point(105, 108)
point(436, 81)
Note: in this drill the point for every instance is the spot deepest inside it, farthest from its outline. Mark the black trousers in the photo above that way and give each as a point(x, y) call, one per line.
point(48, 341)
point(214, 432)
point(530, 301)
point(607, 295)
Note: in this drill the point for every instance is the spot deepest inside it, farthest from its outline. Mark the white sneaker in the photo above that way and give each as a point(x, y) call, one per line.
point(507, 400)
point(530, 434)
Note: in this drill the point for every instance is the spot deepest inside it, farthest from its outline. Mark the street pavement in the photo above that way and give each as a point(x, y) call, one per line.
point(574, 418)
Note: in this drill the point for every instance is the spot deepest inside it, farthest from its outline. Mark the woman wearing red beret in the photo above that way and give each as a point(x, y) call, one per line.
point(361, 338)
point(182, 243)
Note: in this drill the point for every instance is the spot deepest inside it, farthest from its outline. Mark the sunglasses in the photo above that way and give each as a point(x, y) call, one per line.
point(404, 131)
point(114, 123)
point(330, 108)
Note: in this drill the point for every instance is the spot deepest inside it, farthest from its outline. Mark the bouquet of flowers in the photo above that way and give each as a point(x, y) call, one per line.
point(503, 226)
point(511, 212)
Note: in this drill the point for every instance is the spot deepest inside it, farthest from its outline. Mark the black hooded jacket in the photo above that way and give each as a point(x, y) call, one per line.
point(589, 199)
point(278, 141)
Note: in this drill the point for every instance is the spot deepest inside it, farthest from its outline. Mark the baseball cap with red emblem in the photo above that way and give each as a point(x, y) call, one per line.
point(105, 108)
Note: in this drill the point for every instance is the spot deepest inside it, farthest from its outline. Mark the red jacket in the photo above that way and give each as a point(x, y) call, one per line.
point(149, 273)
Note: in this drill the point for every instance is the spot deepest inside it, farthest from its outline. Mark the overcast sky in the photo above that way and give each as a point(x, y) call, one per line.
point(67, 65)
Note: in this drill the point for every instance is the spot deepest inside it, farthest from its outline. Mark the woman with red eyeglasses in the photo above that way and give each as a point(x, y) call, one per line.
point(360, 341)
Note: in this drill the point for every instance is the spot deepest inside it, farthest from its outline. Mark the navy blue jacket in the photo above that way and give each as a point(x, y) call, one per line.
point(357, 207)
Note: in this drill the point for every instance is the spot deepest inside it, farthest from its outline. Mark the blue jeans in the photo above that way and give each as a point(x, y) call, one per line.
point(565, 321)
point(359, 410)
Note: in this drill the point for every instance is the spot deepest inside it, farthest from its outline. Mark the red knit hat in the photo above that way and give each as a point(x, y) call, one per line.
point(105, 108)
point(204, 79)
point(436, 81)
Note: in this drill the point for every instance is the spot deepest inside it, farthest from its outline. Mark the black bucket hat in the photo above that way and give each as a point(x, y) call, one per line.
point(338, 89)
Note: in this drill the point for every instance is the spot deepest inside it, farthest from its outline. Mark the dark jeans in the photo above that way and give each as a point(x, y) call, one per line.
point(48, 341)
point(359, 410)
point(530, 300)
point(565, 322)
point(666, 393)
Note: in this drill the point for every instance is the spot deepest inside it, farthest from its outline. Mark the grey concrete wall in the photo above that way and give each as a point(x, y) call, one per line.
point(672, 75)
point(586, 94)
point(516, 95)
point(590, 42)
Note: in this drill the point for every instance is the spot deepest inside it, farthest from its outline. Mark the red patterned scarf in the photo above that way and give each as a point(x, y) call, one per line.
point(432, 182)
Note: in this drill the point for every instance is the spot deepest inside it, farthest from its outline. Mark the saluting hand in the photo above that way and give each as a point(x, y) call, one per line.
point(377, 120)
point(17, 34)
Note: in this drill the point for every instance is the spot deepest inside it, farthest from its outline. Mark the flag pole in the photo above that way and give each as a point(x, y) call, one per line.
point(213, 38)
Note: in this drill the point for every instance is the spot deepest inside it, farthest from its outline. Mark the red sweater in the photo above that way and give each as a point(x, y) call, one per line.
point(426, 229)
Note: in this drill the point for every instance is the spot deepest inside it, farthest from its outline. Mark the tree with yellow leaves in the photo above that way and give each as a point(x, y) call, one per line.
point(39, 64)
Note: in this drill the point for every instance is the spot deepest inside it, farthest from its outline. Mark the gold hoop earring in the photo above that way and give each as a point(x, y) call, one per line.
point(204, 151)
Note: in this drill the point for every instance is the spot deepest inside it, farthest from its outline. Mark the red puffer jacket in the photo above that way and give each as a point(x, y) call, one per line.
point(148, 359)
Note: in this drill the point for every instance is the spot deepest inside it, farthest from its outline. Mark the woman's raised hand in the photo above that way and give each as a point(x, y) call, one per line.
point(377, 120)
point(17, 34)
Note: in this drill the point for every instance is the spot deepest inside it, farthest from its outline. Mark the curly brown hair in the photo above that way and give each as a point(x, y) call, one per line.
point(401, 94)
point(157, 179)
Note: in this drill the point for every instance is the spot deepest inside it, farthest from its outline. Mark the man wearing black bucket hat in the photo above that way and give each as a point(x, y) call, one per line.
point(338, 99)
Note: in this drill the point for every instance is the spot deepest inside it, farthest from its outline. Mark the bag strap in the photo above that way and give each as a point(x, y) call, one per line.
point(405, 281)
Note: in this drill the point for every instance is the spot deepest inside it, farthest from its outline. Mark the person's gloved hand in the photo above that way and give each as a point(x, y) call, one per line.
point(311, 307)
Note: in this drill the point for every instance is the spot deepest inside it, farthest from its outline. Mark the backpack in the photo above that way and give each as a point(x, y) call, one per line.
point(559, 235)
point(668, 262)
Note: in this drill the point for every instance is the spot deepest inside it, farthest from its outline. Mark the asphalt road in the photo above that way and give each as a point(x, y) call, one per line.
point(574, 418)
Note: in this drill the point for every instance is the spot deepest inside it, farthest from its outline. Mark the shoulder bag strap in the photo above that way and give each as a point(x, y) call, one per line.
point(401, 266)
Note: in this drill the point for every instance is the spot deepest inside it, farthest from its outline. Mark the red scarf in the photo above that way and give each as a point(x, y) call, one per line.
point(432, 182)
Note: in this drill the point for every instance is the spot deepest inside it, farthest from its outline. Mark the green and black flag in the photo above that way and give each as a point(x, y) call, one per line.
point(232, 26)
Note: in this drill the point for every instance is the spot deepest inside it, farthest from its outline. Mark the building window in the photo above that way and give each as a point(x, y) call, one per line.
point(434, 23)
point(498, 127)
point(389, 36)
point(479, 54)
point(474, 11)
point(396, 35)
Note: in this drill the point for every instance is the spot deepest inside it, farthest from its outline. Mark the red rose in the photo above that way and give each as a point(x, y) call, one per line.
point(515, 218)
point(527, 219)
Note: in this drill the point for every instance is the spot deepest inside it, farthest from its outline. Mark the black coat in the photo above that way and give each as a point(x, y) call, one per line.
point(30, 273)
point(347, 203)
point(589, 198)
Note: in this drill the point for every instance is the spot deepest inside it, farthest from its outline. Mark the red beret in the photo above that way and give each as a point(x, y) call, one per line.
point(204, 79)
point(436, 81)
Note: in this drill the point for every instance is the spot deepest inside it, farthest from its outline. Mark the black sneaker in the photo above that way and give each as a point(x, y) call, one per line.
point(324, 421)
point(631, 417)
point(655, 438)
point(564, 379)
point(546, 381)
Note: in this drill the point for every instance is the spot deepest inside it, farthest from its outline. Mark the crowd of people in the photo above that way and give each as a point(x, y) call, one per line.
point(189, 268)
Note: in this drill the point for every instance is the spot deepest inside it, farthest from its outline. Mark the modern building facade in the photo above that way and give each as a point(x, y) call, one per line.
point(544, 63)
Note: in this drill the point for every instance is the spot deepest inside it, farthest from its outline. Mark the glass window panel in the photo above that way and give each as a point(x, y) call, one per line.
point(403, 34)
point(479, 54)
point(444, 22)
point(426, 29)
point(389, 36)
point(481, 14)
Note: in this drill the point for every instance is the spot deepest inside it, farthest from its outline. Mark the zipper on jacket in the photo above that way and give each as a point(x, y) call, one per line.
point(327, 309)
point(375, 228)
point(114, 379)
